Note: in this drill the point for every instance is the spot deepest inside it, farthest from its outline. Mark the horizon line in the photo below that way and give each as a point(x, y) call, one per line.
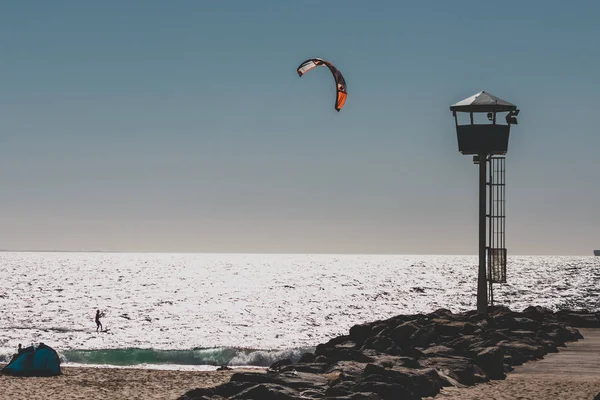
point(272, 252)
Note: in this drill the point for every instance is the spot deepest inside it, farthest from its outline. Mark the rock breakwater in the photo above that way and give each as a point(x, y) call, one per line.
point(411, 356)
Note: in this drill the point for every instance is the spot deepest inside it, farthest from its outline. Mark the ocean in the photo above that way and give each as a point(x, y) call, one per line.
point(199, 311)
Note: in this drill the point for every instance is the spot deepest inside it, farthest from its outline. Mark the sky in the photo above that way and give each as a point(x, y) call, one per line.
point(182, 126)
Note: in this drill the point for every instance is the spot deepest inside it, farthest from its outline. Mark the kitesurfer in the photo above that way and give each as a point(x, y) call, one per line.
point(98, 323)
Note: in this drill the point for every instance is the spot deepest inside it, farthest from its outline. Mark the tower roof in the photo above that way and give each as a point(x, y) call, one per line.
point(483, 102)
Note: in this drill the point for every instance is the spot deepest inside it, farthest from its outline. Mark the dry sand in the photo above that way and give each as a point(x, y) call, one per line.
point(571, 374)
point(109, 383)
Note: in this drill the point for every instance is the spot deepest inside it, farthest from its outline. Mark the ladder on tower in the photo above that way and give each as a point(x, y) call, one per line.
point(496, 247)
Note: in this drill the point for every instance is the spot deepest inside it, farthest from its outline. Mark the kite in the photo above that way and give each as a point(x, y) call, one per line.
point(340, 83)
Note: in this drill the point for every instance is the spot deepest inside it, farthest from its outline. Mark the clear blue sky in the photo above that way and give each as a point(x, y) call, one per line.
point(183, 126)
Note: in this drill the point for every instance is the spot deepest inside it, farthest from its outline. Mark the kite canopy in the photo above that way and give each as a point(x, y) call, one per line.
point(340, 83)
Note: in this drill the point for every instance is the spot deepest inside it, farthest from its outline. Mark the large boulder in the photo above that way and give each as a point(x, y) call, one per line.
point(458, 368)
point(422, 383)
point(491, 360)
point(360, 333)
point(349, 370)
point(402, 333)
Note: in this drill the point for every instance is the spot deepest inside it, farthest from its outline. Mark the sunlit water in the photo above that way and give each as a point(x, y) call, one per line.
point(198, 310)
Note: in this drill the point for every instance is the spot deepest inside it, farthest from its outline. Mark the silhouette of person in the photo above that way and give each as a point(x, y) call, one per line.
point(98, 323)
point(19, 351)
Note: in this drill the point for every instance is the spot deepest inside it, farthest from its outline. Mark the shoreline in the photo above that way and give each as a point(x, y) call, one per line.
point(442, 358)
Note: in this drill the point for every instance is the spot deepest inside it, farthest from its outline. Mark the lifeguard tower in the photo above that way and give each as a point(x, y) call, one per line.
point(482, 136)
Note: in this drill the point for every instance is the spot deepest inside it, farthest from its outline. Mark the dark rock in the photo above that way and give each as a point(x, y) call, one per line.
point(538, 310)
point(350, 370)
point(344, 388)
point(452, 328)
point(411, 352)
point(386, 391)
point(439, 351)
point(360, 333)
point(427, 382)
point(381, 329)
point(528, 351)
point(307, 358)
point(297, 380)
point(225, 391)
point(267, 391)
point(379, 343)
point(337, 340)
point(390, 361)
point(502, 322)
point(281, 363)
point(224, 368)
point(311, 394)
point(402, 333)
point(335, 354)
point(443, 312)
point(526, 324)
point(345, 391)
point(499, 310)
point(458, 368)
point(559, 334)
point(537, 313)
point(479, 375)
point(356, 396)
point(575, 334)
point(549, 346)
point(324, 360)
point(524, 334)
point(491, 360)
point(463, 343)
point(348, 344)
point(198, 394)
point(313, 368)
point(424, 336)
point(422, 383)
point(578, 319)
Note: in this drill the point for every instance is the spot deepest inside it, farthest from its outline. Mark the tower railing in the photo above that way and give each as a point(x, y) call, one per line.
point(496, 246)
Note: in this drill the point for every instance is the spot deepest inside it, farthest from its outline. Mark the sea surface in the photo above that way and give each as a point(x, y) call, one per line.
point(199, 311)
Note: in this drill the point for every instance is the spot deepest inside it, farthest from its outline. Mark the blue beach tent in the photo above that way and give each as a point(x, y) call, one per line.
point(38, 360)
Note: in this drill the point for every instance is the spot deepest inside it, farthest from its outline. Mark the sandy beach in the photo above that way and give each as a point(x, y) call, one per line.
point(109, 383)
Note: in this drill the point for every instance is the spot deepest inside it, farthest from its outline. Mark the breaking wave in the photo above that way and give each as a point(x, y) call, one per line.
point(201, 356)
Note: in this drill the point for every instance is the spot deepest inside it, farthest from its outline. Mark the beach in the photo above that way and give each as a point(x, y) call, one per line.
point(110, 383)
